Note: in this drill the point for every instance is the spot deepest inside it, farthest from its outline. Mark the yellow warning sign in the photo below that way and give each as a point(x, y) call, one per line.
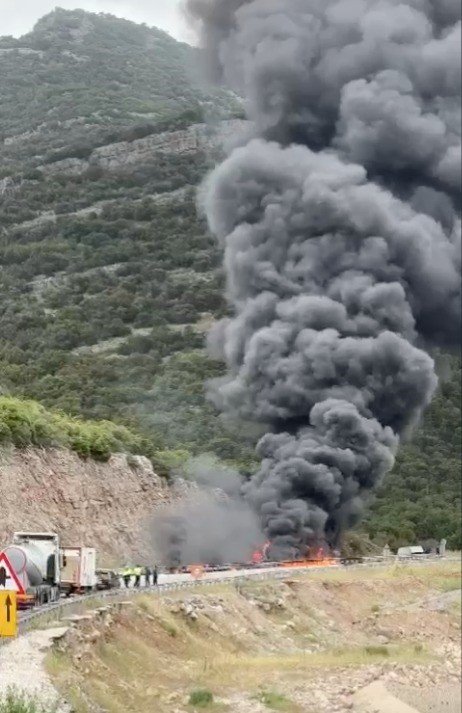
point(8, 615)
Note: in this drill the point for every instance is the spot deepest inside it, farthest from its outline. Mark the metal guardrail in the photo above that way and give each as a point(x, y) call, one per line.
point(27, 620)
point(159, 590)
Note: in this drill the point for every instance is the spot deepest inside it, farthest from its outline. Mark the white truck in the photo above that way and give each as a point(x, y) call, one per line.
point(78, 570)
point(46, 570)
point(35, 558)
point(410, 551)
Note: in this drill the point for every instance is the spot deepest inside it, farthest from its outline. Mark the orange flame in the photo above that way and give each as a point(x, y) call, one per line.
point(325, 562)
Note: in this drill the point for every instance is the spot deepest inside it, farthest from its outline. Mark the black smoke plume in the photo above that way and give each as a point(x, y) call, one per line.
point(211, 523)
point(340, 226)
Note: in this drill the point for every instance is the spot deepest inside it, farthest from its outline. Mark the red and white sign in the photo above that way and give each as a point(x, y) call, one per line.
point(8, 578)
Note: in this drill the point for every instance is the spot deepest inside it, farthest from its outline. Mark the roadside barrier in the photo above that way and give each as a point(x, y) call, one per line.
point(68, 606)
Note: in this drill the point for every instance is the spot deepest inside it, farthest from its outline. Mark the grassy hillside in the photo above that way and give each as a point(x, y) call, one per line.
point(109, 280)
point(306, 644)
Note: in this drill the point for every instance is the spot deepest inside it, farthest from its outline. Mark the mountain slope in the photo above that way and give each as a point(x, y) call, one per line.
point(421, 498)
point(108, 278)
point(77, 74)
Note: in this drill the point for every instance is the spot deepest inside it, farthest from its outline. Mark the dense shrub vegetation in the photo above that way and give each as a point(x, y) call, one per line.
point(24, 423)
point(421, 498)
point(110, 280)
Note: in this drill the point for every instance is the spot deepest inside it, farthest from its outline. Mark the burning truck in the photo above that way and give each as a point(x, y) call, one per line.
point(310, 554)
point(263, 557)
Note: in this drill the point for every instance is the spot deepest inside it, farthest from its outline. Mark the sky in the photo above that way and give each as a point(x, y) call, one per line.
point(18, 16)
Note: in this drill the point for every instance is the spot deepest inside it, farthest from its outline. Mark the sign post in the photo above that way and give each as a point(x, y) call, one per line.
point(8, 613)
point(9, 581)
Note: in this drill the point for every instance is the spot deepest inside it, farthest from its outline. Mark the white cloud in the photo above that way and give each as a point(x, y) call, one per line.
point(17, 18)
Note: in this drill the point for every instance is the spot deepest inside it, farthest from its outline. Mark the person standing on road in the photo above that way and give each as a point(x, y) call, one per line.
point(155, 575)
point(147, 575)
point(137, 571)
point(126, 576)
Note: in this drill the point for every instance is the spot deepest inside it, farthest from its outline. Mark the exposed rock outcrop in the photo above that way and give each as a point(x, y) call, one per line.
point(126, 154)
point(104, 505)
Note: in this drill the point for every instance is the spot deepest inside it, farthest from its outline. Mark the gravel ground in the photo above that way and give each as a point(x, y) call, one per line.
point(375, 698)
point(22, 667)
point(428, 699)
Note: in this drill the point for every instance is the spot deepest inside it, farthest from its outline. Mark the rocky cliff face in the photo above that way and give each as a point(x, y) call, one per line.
point(102, 505)
point(133, 154)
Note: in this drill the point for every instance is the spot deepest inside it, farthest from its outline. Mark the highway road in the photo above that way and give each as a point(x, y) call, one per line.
point(172, 582)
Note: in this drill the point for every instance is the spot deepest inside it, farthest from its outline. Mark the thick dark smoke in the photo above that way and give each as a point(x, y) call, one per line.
point(377, 80)
point(342, 240)
point(212, 523)
point(204, 529)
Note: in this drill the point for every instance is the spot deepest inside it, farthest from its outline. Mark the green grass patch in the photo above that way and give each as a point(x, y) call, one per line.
point(15, 701)
point(275, 701)
point(233, 668)
point(202, 698)
point(169, 628)
point(449, 584)
point(377, 651)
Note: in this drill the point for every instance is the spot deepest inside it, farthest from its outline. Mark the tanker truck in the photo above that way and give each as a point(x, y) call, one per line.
point(36, 559)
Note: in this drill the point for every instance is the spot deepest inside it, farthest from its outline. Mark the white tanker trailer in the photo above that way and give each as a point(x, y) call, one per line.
point(46, 570)
point(36, 559)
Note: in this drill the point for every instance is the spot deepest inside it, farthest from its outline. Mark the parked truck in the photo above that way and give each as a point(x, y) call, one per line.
point(410, 551)
point(78, 570)
point(35, 557)
point(46, 570)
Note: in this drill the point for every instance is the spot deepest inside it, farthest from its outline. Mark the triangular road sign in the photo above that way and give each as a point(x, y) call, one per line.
point(8, 577)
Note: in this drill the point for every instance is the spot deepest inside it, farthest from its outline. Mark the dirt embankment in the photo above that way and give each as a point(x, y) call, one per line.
point(321, 643)
point(102, 505)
